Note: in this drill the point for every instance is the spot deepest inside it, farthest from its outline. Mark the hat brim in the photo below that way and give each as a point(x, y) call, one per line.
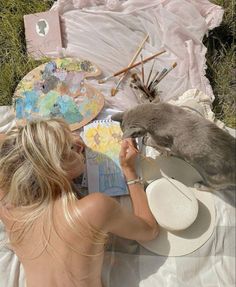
point(170, 243)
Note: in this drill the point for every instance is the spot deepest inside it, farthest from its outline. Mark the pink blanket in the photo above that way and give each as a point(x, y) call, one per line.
point(109, 32)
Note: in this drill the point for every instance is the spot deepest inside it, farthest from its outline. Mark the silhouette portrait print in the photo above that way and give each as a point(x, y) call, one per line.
point(42, 27)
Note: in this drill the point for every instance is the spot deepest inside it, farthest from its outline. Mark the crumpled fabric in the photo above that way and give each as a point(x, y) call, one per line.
point(109, 37)
point(7, 118)
point(198, 102)
point(211, 265)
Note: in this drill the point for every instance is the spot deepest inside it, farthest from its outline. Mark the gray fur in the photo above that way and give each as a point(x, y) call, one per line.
point(186, 135)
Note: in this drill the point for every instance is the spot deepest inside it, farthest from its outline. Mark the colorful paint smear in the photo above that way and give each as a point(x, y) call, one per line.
point(103, 139)
point(57, 89)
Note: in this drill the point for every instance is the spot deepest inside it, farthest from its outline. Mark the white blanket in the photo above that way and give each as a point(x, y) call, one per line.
point(109, 38)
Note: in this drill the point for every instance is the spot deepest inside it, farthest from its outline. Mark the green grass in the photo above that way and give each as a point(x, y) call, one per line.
point(14, 63)
point(221, 64)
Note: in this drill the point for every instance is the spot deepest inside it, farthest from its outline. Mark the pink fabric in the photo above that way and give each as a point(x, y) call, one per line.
point(108, 33)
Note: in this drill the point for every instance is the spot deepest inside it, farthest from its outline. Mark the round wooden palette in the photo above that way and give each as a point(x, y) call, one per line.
point(57, 89)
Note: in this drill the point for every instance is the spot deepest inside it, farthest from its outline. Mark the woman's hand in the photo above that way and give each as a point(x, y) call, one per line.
point(128, 155)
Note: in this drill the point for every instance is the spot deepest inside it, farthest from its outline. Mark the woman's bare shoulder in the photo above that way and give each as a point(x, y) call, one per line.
point(97, 197)
point(96, 208)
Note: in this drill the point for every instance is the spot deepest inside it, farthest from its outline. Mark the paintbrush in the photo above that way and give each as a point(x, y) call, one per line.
point(154, 81)
point(142, 68)
point(131, 67)
point(172, 183)
point(149, 86)
point(166, 72)
point(141, 85)
point(137, 86)
point(162, 173)
point(150, 73)
point(114, 90)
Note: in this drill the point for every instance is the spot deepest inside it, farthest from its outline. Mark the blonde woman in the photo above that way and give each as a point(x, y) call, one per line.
point(58, 236)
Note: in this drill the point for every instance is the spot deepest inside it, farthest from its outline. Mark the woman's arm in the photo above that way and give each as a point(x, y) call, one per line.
point(128, 155)
point(106, 213)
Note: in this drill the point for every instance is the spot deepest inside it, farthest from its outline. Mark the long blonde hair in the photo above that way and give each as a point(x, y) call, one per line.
point(32, 171)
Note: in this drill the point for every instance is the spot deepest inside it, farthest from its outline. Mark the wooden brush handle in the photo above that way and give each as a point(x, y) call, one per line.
point(138, 63)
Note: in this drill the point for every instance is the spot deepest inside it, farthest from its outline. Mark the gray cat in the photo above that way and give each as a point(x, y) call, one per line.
point(177, 131)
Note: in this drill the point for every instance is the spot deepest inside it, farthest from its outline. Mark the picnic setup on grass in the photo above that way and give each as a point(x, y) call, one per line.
point(105, 58)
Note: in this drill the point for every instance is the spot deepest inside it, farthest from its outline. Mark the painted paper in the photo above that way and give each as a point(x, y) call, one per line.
point(103, 139)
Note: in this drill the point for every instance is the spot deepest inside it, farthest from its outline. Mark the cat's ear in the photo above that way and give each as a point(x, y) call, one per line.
point(134, 133)
point(118, 117)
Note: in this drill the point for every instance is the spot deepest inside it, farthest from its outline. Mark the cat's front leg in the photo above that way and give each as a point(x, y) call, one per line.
point(166, 152)
point(148, 141)
point(202, 187)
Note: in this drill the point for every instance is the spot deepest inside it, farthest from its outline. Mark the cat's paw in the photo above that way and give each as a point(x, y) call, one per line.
point(166, 152)
point(147, 141)
point(144, 140)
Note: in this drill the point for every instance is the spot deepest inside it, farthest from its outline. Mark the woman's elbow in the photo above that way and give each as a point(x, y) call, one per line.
point(152, 233)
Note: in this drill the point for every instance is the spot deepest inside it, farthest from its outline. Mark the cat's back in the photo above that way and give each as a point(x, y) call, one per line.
point(190, 130)
point(195, 139)
point(219, 140)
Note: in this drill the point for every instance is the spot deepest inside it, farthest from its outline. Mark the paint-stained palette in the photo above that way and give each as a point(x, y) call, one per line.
point(57, 89)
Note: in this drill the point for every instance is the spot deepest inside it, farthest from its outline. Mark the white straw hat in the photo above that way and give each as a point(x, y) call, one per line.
point(186, 215)
point(173, 204)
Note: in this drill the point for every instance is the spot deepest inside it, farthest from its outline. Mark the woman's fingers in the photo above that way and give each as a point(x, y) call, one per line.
point(128, 149)
point(124, 147)
point(132, 142)
point(132, 150)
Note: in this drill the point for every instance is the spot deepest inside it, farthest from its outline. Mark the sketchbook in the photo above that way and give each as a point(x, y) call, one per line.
point(104, 173)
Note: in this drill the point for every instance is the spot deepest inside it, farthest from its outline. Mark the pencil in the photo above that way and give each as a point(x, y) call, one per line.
point(131, 67)
point(164, 175)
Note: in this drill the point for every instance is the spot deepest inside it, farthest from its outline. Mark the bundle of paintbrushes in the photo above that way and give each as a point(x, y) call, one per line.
point(148, 91)
point(124, 72)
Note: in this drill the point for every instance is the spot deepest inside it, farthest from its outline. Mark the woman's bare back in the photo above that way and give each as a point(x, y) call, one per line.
point(70, 259)
point(58, 238)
